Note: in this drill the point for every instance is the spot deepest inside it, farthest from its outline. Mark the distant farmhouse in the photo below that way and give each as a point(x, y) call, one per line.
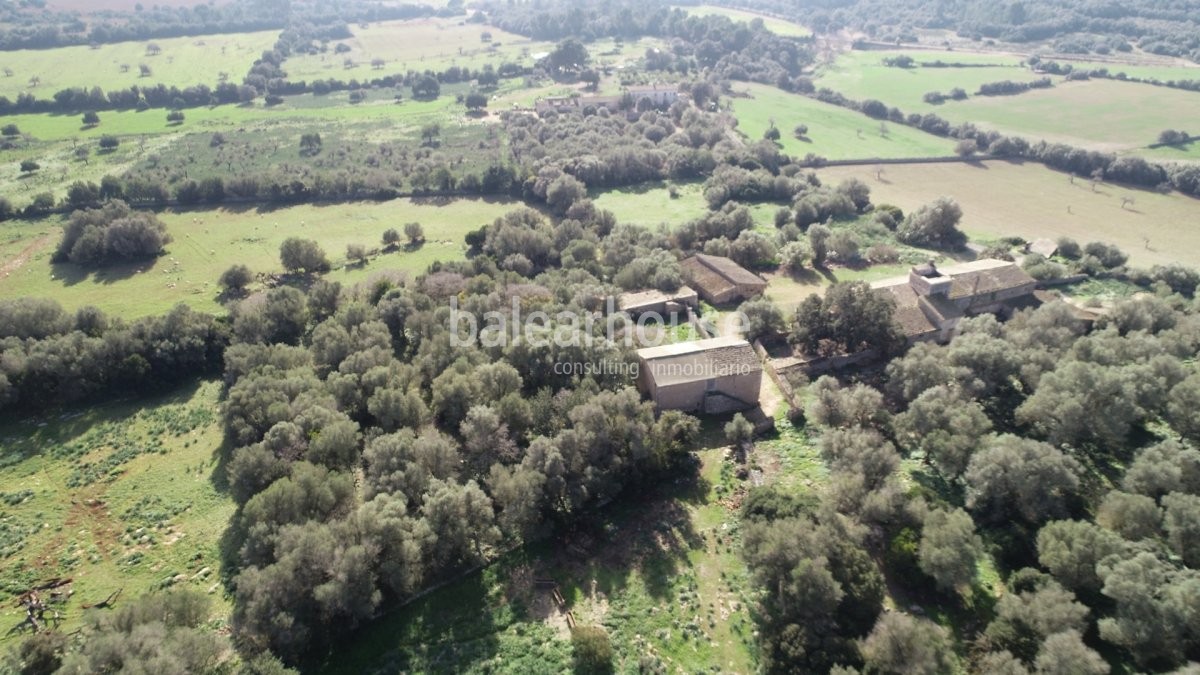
point(714, 376)
point(720, 280)
point(659, 97)
point(930, 302)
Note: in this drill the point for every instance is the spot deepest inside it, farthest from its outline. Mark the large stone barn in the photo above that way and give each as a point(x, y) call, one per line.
point(720, 280)
point(711, 376)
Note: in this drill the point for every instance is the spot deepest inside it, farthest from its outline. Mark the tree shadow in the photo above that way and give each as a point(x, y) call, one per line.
point(24, 435)
point(646, 532)
point(71, 274)
point(450, 630)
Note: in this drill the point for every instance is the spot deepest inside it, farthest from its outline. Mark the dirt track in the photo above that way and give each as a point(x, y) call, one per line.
point(23, 257)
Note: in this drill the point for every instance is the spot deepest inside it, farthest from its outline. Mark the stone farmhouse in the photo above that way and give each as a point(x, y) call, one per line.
point(720, 280)
point(930, 302)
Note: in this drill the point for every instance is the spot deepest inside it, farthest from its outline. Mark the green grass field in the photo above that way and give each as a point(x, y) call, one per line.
point(183, 62)
point(416, 44)
point(1027, 200)
point(1100, 114)
point(833, 132)
point(146, 137)
point(123, 495)
point(861, 75)
point(206, 243)
point(131, 124)
point(652, 205)
point(776, 26)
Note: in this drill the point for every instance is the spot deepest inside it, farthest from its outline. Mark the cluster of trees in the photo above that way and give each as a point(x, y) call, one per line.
point(463, 450)
point(1009, 87)
point(1069, 454)
point(157, 632)
point(937, 97)
point(1074, 26)
point(50, 358)
point(728, 50)
point(606, 150)
point(110, 234)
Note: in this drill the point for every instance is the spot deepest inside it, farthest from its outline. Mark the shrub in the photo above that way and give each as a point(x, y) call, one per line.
point(592, 649)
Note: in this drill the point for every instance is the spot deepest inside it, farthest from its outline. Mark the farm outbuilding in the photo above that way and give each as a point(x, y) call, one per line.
point(720, 280)
point(711, 376)
point(665, 304)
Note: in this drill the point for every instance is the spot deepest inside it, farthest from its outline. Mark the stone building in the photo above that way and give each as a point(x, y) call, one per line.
point(720, 280)
point(713, 376)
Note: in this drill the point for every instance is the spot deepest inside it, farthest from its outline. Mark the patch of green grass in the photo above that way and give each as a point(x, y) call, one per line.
point(777, 26)
point(1189, 152)
point(1100, 291)
point(861, 75)
point(651, 205)
point(1103, 114)
point(833, 132)
point(149, 520)
point(184, 62)
point(206, 243)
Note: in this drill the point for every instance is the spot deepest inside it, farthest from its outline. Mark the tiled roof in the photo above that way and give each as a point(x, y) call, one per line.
point(729, 269)
point(700, 360)
point(705, 277)
point(972, 282)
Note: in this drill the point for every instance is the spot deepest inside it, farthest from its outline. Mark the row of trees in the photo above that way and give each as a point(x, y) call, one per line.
point(1128, 169)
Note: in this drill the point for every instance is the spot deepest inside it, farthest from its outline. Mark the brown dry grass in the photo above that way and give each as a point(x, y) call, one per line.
point(1028, 200)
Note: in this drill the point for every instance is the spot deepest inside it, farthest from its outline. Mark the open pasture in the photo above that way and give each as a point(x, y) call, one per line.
point(652, 205)
point(833, 132)
point(183, 62)
point(1100, 114)
point(861, 75)
point(414, 44)
point(779, 27)
point(206, 243)
point(120, 496)
point(147, 139)
point(1164, 72)
point(1028, 200)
